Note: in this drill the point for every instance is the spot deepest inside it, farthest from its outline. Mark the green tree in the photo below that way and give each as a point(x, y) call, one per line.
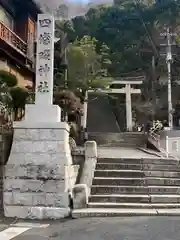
point(130, 30)
point(20, 97)
point(7, 81)
point(86, 69)
point(86, 66)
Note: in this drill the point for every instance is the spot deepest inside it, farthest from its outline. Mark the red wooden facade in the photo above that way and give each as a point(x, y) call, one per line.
point(17, 33)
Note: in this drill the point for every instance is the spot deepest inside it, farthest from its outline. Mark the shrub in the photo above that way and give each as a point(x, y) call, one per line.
point(8, 78)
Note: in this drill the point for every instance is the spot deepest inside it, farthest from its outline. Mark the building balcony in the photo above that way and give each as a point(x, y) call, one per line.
point(14, 41)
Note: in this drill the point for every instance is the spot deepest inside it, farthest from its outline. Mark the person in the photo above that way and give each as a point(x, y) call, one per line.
point(85, 135)
point(165, 123)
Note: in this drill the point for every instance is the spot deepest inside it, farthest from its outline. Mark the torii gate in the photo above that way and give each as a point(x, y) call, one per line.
point(127, 90)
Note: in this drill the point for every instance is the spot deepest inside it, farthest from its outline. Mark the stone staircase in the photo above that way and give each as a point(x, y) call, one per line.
point(129, 186)
point(100, 115)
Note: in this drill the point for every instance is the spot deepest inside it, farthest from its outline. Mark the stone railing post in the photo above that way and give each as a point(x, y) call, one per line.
point(89, 164)
point(81, 191)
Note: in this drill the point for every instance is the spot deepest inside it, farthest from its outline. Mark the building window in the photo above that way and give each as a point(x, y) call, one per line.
point(6, 18)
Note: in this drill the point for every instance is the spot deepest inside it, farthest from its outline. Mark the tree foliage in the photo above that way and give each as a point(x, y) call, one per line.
point(87, 67)
point(127, 35)
point(125, 28)
point(68, 101)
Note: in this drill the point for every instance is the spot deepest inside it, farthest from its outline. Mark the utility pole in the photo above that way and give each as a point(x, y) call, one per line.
point(169, 60)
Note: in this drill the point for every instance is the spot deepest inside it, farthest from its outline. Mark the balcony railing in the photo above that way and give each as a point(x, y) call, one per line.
point(12, 39)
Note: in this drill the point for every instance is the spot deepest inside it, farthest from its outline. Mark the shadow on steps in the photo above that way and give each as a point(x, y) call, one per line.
point(100, 117)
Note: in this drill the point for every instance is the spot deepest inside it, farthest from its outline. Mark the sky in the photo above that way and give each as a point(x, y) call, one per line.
point(76, 7)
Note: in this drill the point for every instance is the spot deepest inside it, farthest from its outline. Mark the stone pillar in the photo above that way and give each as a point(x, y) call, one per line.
point(128, 108)
point(85, 108)
point(39, 173)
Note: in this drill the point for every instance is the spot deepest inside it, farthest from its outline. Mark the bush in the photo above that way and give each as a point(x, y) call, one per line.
point(73, 130)
point(72, 143)
point(68, 101)
point(19, 97)
point(8, 78)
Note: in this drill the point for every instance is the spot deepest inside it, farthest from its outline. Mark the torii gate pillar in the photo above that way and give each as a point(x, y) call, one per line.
point(129, 123)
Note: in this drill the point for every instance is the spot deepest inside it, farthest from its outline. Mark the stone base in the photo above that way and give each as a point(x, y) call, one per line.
point(39, 172)
point(38, 213)
point(50, 114)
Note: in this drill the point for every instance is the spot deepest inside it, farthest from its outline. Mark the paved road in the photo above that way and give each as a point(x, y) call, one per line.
point(132, 228)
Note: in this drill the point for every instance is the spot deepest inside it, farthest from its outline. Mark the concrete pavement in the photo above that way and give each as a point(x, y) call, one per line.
point(124, 152)
point(124, 228)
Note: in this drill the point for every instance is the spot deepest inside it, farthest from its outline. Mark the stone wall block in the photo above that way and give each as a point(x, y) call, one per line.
point(30, 158)
point(16, 211)
point(12, 170)
point(35, 171)
point(55, 171)
point(39, 199)
point(20, 135)
point(22, 199)
point(55, 213)
point(35, 213)
point(39, 213)
point(54, 186)
point(24, 185)
point(32, 171)
point(57, 200)
point(8, 198)
point(53, 134)
point(49, 147)
point(37, 147)
point(32, 134)
point(60, 158)
point(13, 184)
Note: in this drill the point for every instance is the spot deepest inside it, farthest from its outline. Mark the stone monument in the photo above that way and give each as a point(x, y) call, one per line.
point(39, 172)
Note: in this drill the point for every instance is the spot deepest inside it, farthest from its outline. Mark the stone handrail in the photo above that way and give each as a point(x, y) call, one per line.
point(81, 191)
point(154, 139)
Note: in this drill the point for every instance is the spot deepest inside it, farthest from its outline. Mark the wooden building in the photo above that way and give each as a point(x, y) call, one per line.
point(17, 33)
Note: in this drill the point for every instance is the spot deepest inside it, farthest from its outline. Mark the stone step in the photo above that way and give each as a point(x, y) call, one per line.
point(115, 212)
point(100, 189)
point(133, 205)
point(112, 166)
point(136, 181)
point(121, 144)
point(135, 173)
point(155, 161)
point(119, 173)
point(161, 167)
point(119, 198)
point(119, 160)
point(151, 167)
point(135, 198)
